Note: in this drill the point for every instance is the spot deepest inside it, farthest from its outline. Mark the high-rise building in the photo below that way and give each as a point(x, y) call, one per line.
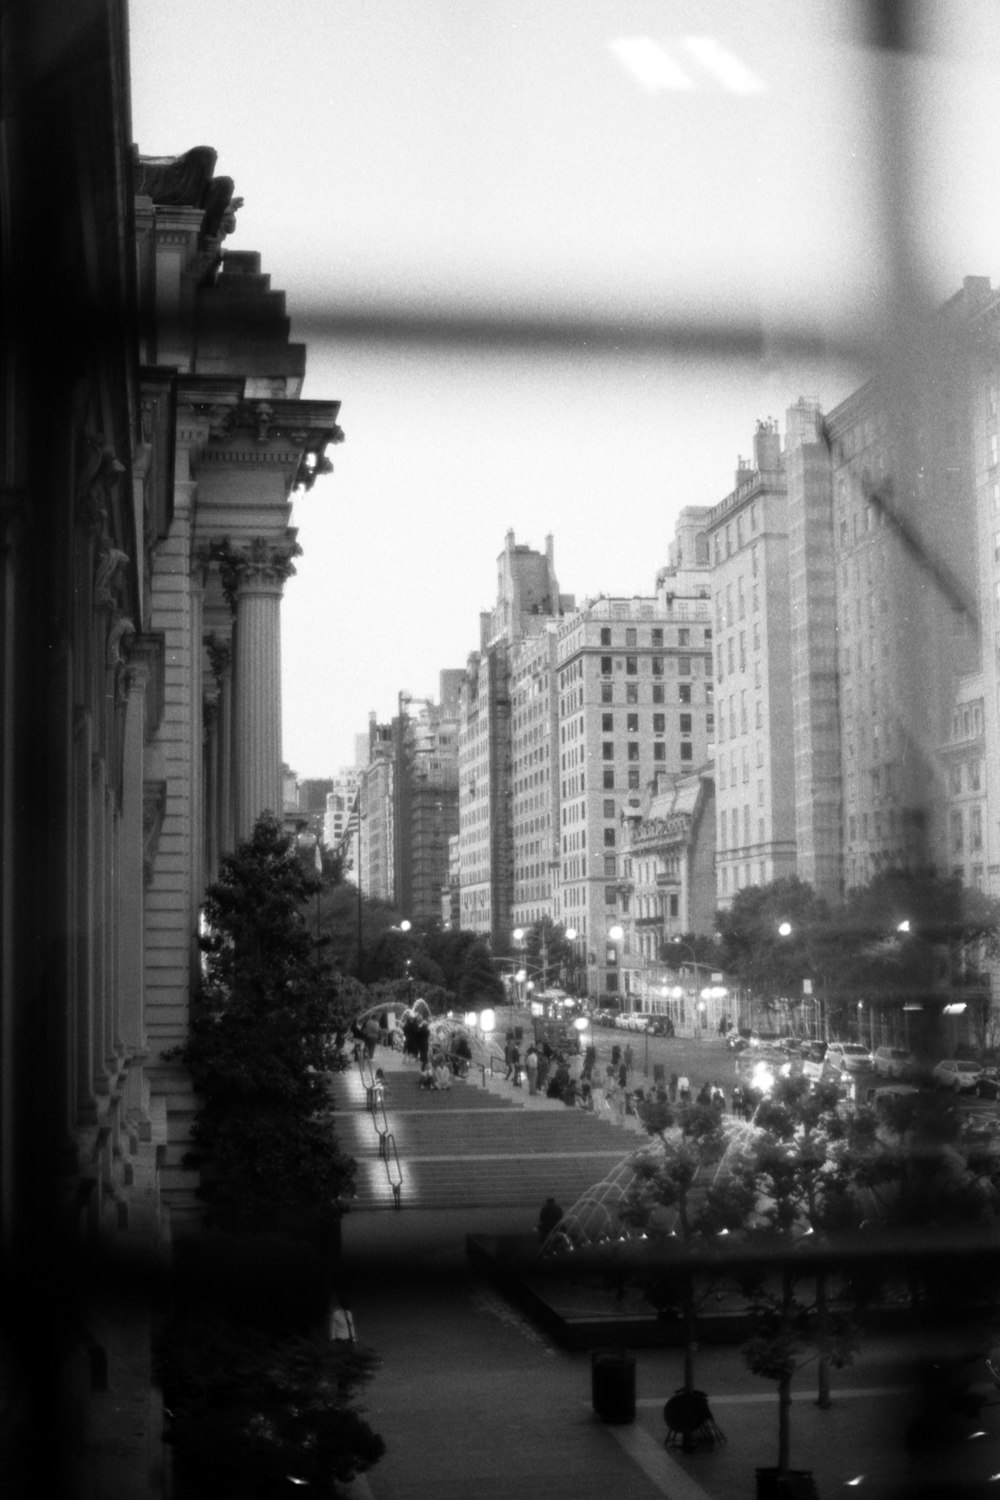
point(527, 596)
point(635, 698)
point(535, 776)
point(427, 797)
point(748, 535)
point(377, 809)
point(908, 612)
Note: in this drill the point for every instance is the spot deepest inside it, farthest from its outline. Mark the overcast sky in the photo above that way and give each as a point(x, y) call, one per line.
point(637, 164)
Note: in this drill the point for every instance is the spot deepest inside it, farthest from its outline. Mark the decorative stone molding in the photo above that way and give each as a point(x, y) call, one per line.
point(98, 471)
point(120, 629)
point(261, 559)
point(154, 802)
point(220, 656)
point(111, 565)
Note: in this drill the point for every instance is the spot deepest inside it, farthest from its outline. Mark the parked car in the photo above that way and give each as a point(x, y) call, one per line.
point(849, 1057)
point(661, 1026)
point(894, 1062)
point(740, 1038)
point(989, 1084)
point(958, 1074)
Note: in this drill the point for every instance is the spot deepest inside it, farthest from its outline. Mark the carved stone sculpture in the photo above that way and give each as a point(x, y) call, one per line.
point(188, 181)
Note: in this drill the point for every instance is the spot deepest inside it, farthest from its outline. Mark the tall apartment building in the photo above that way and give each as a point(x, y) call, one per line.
point(635, 698)
point(527, 596)
point(971, 753)
point(377, 805)
point(427, 797)
point(535, 776)
point(908, 615)
point(754, 766)
point(856, 582)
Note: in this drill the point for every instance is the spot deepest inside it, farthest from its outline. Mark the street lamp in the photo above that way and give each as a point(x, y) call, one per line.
point(613, 954)
point(785, 930)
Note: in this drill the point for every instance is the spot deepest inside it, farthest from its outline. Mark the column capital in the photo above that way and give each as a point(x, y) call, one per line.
point(261, 561)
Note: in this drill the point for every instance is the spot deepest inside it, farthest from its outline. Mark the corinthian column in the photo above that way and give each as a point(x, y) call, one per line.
point(259, 582)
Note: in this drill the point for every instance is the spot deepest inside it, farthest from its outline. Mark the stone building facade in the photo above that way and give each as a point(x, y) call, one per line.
point(754, 767)
point(636, 698)
point(156, 437)
point(527, 596)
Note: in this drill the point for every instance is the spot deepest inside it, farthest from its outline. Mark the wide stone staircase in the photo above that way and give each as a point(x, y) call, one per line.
point(476, 1145)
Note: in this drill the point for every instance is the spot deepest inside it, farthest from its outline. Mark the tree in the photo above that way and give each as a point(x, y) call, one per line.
point(551, 937)
point(260, 1401)
point(683, 1195)
point(801, 1188)
point(806, 1173)
point(479, 986)
point(259, 1396)
point(259, 1044)
point(755, 951)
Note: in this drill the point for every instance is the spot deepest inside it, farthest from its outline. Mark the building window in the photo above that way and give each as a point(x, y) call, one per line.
point(657, 666)
point(605, 666)
point(607, 723)
point(633, 778)
point(631, 692)
point(605, 636)
point(633, 749)
point(609, 838)
point(610, 895)
point(657, 635)
point(658, 692)
point(609, 807)
point(687, 751)
point(608, 781)
point(607, 692)
point(683, 637)
point(630, 638)
point(957, 831)
point(660, 723)
point(686, 723)
point(631, 665)
point(684, 666)
point(632, 723)
point(608, 750)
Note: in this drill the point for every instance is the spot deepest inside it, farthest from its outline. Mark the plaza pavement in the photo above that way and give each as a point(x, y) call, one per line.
point(474, 1401)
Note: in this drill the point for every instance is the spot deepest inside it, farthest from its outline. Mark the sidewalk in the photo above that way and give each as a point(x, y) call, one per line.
point(473, 1401)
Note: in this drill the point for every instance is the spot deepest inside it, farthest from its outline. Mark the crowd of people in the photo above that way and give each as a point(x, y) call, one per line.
point(443, 1056)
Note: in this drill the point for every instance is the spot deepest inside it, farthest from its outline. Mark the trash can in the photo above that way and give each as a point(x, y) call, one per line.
point(797, 1484)
point(613, 1386)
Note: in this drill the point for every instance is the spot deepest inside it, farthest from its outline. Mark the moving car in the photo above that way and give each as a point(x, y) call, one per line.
point(894, 1062)
point(849, 1057)
point(957, 1074)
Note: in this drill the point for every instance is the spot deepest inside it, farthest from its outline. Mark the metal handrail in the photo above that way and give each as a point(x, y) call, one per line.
point(375, 1105)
